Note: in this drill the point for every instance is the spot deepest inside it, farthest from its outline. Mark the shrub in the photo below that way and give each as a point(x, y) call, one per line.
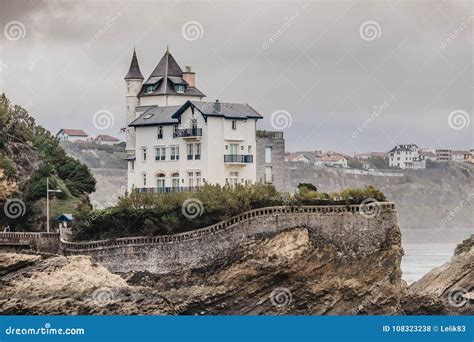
point(308, 186)
point(150, 214)
point(8, 167)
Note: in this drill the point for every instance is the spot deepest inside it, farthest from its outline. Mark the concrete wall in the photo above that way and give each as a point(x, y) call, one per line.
point(269, 139)
point(343, 227)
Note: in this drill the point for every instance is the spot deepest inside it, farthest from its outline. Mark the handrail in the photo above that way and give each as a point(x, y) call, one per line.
point(25, 234)
point(220, 226)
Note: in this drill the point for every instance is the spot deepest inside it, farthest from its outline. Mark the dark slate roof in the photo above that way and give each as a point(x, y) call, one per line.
point(227, 110)
point(177, 80)
point(167, 67)
point(166, 74)
point(156, 116)
point(408, 147)
point(311, 156)
point(153, 80)
point(134, 71)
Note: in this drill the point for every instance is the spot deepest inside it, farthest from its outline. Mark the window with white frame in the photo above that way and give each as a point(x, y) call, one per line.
point(144, 154)
point(175, 180)
point(190, 149)
point(233, 178)
point(268, 174)
point(190, 179)
point(197, 156)
point(144, 178)
point(160, 181)
point(160, 153)
point(234, 124)
point(174, 155)
point(268, 155)
point(198, 178)
point(160, 132)
point(234, 149)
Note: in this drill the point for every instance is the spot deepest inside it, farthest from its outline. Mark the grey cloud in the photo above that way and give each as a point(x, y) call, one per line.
point(73, 58)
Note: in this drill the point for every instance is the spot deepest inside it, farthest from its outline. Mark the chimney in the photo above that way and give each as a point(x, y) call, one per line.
point(217, 106)
point(189, 76)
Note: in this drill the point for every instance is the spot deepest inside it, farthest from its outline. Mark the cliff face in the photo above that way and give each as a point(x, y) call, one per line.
point(26, 160)
point(284, 274)
point(449, 287)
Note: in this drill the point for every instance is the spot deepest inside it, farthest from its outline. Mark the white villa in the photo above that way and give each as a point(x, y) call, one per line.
point(176, 141)
point(406, 157)
point(66, 134)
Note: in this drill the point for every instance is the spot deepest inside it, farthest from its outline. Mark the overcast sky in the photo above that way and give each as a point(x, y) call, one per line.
point(351, 75)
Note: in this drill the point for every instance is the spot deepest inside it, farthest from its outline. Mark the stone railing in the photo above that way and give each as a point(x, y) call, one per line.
point(41, 242)
point(78, 247)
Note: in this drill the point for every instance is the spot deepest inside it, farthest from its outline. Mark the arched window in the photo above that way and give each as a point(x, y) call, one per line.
point(160, 182)
point(175, 181)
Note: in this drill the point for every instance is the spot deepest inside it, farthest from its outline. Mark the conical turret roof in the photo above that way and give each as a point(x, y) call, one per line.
point(134, 71)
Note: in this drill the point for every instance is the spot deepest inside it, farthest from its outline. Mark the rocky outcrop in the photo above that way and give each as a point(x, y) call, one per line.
point(284, 274)
point(447, 289)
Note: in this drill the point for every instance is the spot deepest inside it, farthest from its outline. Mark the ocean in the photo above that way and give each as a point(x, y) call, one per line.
point(420, 258)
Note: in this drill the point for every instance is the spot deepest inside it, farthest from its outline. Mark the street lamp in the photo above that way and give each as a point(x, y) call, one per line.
point(47, 202)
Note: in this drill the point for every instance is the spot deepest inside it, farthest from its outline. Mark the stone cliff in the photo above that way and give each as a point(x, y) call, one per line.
point(299, 262)
point(449, 288)
point(285, 274)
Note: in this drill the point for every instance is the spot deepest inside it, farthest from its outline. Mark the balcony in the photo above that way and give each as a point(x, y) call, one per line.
point(238, 158)
point(188, 133)
point(165, 190)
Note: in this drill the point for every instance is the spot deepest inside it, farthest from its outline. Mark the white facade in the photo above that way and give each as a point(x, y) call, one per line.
point(197, 146)
point(406, 157)
point(165, 161)
point(63, 135)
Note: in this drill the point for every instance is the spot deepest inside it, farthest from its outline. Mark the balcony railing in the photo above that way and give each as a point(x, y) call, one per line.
point(164, 190)
point(269, 134)
point(238, 158)
point(188, 132)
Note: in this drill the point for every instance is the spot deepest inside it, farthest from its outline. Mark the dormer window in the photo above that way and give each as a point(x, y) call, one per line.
point(179, 88)
point(150, 89)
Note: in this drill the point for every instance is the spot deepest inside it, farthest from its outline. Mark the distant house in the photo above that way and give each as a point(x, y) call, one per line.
point(427, 155)
point(406, 157)
point(304, 157)
point(105, 139)
point(444, 155)
point(383, 155)
point(72, 135)
point(367, 155)
point(460, 156)
point(362, 156)
point(334, 160)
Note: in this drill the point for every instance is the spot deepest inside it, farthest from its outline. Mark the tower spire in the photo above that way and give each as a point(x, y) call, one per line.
point(134, 71)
